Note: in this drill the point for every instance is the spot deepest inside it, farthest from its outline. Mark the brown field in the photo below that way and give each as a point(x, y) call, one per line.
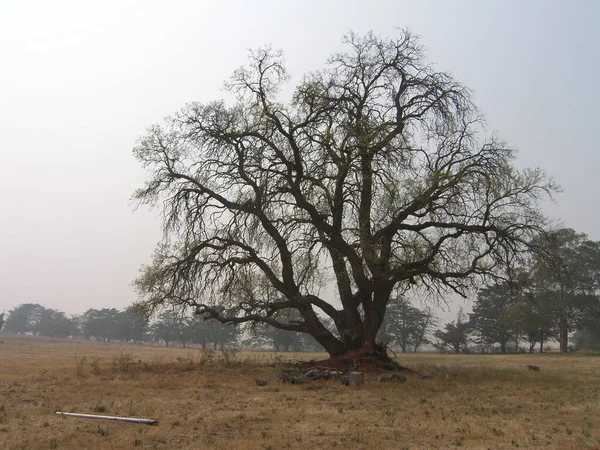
point(471, 401)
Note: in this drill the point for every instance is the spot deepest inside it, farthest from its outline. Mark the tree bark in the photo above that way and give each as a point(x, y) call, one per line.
point(563, 336)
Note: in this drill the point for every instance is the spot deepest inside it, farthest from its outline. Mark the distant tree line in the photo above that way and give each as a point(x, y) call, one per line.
point(110, 324)
point(168, 329)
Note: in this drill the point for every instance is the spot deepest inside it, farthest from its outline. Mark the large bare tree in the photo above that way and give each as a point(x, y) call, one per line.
point(376, 175)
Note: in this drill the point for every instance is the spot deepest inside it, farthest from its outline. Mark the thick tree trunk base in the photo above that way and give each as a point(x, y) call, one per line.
point(369, 359)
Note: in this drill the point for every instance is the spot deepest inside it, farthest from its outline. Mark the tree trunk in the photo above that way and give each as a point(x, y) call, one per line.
point(355, 334)
point(563, 333)
point(333, 345)
point(418, 342)
point(502, 346)
point(563, 337)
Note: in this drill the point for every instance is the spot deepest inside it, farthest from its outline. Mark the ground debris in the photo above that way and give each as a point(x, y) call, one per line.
point(393, 378)
point(370, 359)
point(534, 368)
point(299, 374)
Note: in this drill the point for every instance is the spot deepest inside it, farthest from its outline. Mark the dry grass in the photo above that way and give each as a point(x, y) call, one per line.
point(476, 401)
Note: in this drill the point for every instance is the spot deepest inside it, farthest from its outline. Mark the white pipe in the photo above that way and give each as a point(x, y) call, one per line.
point(121, 419)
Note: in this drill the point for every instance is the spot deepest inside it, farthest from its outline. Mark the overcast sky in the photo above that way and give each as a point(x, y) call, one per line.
point(80, 81)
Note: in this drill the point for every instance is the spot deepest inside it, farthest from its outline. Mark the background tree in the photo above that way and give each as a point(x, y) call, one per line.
point(376, 176)
point(168, 327)
point(211, 332)
point(1, 321)
point(406, 326)
point(195, 330)
point(534, 320)
point(55, 323)
point(565, 280)
point(455, 336)
point(587, 335)
point(24, 318)
point(265, 336)
point(131, 325)
point(492, 319)
point(100, 324)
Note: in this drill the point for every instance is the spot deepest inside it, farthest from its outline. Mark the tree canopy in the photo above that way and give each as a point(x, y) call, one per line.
point(377, 175)
point(564, 281)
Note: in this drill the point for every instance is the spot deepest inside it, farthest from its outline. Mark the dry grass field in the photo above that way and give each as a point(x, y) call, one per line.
point(470, 401)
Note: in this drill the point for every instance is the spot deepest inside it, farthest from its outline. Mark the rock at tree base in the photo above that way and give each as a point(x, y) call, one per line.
point(353, 379)
point(399, 377)
point(394, 378)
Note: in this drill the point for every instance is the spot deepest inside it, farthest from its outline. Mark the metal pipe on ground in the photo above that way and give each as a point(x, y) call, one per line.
point(120, 419)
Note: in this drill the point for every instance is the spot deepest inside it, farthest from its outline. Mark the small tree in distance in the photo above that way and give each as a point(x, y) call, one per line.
point(376, 176)
point(491, 318)
point(455, 336)
point(407, 326)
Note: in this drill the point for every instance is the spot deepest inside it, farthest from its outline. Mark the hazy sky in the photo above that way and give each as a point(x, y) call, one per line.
point(80, 81)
